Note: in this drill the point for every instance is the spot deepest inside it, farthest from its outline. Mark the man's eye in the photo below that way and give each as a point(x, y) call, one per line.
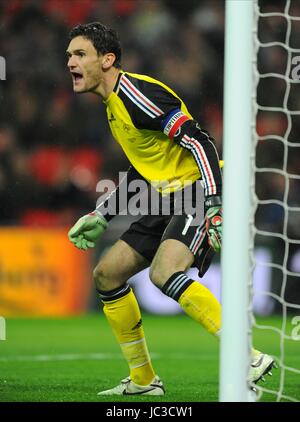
point(81, 54)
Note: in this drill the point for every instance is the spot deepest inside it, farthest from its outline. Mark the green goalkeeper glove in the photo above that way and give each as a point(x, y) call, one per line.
point(214, 220)
point(87, 230)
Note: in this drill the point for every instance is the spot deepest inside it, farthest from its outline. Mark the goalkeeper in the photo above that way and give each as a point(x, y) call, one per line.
point(163, 143)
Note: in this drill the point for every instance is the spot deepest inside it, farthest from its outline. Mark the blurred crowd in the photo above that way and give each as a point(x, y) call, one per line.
point(55, 146)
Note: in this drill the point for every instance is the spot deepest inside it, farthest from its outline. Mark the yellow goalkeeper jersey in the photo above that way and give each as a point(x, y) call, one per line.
point(146, 118)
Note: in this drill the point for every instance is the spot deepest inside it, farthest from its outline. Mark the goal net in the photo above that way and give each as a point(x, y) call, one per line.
point(276, 187)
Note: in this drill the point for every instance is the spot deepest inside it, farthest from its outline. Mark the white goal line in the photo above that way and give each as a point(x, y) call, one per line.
point(100, 356)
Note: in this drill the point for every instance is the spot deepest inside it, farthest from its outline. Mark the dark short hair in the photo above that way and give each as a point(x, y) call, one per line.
point(105, 40)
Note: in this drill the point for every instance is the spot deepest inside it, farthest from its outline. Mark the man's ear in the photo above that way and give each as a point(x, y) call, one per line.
point(108, 60)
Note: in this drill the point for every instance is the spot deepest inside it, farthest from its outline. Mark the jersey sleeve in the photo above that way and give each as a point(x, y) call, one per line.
point(147, 103)
point(190, 136)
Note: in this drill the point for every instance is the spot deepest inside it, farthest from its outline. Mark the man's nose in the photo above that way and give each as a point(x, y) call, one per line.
point(71, 62)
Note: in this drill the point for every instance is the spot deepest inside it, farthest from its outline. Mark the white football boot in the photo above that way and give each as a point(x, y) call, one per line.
point(260, 366)
point(129, 388)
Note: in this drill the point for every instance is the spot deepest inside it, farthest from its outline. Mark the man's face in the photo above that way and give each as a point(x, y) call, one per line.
point(84, 64)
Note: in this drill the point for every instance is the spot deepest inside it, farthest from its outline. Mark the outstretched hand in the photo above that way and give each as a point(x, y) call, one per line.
point(87, 230)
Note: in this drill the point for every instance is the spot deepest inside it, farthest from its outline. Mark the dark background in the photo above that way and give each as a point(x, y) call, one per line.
point(55, 146)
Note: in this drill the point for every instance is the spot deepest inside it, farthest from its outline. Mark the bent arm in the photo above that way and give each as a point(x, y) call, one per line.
point(189, 135)
point(110, 207)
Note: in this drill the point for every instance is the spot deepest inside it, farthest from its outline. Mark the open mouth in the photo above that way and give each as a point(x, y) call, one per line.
point(77, 77)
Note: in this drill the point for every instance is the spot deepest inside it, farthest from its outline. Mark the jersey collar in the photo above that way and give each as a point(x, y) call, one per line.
point(116, 88)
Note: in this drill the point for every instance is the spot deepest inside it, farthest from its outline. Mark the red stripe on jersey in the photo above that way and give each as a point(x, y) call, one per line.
point(142, 98)
point(206, 166)
point(205, 163)
point(176, 125)
point(200, 240)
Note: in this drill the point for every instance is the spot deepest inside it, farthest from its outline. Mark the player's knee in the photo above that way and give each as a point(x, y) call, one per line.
point(106, 278)
point(159, 275)
point(101, 278)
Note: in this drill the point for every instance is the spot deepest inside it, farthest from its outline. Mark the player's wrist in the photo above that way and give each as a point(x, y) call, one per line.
point(212, 201)
point(97, 213)
point(106, 211)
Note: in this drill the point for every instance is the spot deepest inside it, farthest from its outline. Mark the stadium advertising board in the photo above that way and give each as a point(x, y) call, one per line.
point(41, 273)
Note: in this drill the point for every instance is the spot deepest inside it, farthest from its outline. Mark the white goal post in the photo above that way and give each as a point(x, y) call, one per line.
point(236, 200)
point(261, 188)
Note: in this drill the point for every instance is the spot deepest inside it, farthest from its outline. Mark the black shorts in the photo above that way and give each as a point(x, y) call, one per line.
point(146, 234)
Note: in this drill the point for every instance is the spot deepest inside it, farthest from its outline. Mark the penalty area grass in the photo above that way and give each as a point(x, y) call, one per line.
point(71, 359)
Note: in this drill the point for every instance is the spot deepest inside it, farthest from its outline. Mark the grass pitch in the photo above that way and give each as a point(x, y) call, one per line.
point(71, 359)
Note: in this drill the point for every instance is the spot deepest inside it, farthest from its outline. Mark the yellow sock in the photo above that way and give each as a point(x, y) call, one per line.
point(201, 305)
point(124, 317)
